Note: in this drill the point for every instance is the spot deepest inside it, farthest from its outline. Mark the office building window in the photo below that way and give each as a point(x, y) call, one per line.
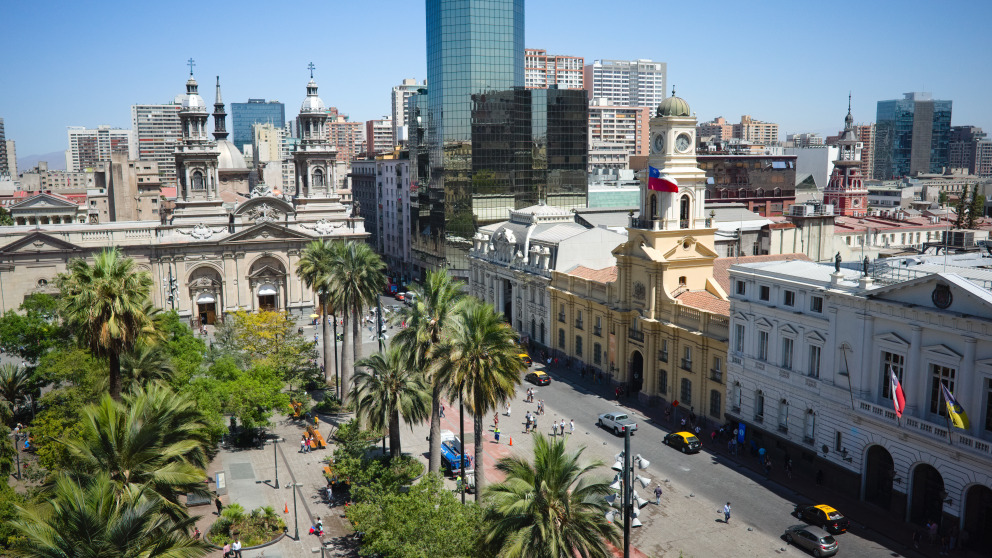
point(897, 363)
point(789, 298)
point(741, 288)
point(765, 292)
point(561, 339)
point(663, 381)
point(578, 346)
point(735, 395)
point(783, 416)
point(759, 406)
point(816, 304)
point(787, 353)
point(940, 375)
point(686, 396)
point(663, 351)
point(597, 353)
point(762, 345)
point(739, 338)
point(809, 427)
point(715, 403)
point(814, 362)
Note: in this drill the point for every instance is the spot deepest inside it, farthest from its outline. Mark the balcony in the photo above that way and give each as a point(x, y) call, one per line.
point(686, 364)
point(578, 324)
point(597, 331)
point(716, 375)
point(635, 335)
point(663, 356)
point(561, 317)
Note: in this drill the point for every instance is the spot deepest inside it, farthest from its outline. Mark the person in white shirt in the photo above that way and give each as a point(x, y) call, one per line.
point(236, 548)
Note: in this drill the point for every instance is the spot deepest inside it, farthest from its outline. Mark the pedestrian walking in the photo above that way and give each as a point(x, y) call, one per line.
point(726, 513)
point(668, 414)
point(316, 421)
point(227, 549)
point(507, 409)
point(571, 426)
point(303, 444)
point(683, 422)
point(527, 424)
point(496, 433)
point(442, 411)
point(768, 467)
point(236, 548)
point(657, 495)
point(196, 533)
point(932, 528)
point(542, 406)
point(495, 420)
point(561, 428)
point(698, 431)
point(554, 428)
point(220, 507)
point(320, 527)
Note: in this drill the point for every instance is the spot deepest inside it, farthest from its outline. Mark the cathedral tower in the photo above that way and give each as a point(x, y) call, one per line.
point(314, 157)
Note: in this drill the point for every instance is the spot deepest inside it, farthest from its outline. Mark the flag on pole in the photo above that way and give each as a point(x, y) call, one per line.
point(955, 413)
point(661, 183)
point(898, 397)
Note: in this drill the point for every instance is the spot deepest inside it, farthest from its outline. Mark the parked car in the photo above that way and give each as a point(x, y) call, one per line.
point(617, 422)
point(813, 539)
point(400, 296)
point(538, 378)
point(451, 453)
point(687, 442)
point(823, 516)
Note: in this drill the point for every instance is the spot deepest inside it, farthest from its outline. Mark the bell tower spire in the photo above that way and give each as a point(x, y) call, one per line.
point(220, 116)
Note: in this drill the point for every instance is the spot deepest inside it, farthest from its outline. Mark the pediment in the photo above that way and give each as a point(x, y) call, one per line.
point(985, 362)
point(942, 351)
point(688, 247)
point(265, 232)
point(740, 317)
point(815, 337)
point(39, 242)
point(939, 292)
point(762, 322)
point(266, 271)
point(44, 201)
point(788, 330)
point(892, 339)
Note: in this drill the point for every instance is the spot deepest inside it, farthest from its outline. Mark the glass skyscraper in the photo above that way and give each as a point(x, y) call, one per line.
point(482, 144)
point(255, 111)
point(912, 135)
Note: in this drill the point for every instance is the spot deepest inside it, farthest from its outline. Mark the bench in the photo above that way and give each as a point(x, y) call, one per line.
point(318, 439)
point(327, 471)
point(296, 409)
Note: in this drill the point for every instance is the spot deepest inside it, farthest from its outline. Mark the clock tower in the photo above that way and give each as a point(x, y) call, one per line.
point(846, 190)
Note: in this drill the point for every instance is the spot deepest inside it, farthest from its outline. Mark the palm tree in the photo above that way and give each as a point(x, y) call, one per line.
point(550, 508)
point(106, 304)
point(15, 384)
point(428, 321)
point(314, 269)
point(146, 363)
point(154, 438)
point(356, 282)
point(388, 388)
point(95, 520)
point(481, 366)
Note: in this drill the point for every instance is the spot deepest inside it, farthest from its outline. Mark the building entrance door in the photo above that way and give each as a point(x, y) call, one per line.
point(267, 298)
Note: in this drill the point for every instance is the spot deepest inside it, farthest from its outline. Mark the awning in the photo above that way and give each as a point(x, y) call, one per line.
point(204, 299)
point(267, 290)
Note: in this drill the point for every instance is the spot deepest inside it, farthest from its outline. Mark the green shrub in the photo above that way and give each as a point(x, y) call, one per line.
point(259, 526)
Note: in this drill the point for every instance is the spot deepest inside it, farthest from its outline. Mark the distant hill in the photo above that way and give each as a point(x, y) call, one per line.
point(56, 161)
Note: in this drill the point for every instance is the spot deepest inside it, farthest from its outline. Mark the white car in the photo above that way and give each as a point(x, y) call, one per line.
point(617, 422)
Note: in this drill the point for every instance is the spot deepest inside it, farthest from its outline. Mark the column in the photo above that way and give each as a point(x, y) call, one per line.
point(828, 366)
point(291, 279)
point(866, 373)
point(915, 375)
point(968, 389)
point(652, 300)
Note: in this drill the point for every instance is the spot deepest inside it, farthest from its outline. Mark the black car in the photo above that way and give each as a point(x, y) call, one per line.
point(685, 442)
point(538, 378)
point(823, 516)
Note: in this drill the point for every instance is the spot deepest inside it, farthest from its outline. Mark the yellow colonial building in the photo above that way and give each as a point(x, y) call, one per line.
point(657, 322)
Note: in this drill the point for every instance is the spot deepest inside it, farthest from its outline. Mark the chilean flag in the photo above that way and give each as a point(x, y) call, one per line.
point(660, 183)
point(898, 397)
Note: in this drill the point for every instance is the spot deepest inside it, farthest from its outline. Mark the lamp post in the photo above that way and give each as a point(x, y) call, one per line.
point(627, 492)
point(275, 458)
point(296, 519)
point(378, 334)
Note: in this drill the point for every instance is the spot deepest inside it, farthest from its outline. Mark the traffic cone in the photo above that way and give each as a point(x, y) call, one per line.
point(286, 509)
point(511, 441)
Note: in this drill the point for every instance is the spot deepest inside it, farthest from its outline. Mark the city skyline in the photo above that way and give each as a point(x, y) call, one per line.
point(800, 81)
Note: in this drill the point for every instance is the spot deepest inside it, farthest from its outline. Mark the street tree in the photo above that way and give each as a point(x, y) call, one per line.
point(315, 269)
point(385, 387)
point(429, 321)
point(551, 507)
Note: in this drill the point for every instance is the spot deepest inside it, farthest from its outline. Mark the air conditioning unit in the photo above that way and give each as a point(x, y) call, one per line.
point(802, 210)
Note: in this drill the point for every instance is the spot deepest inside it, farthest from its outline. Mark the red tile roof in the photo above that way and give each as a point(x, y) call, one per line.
point(721, 266)
point(705, 300)
point(605, 275)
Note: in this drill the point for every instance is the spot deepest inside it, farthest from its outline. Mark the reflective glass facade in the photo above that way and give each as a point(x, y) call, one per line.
point(255, 111)
point(481, 143)
point(911, 136)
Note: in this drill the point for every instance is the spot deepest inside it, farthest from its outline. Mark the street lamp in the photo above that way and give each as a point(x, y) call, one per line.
point(296, 520)
point(630, 497)
point(275, 459)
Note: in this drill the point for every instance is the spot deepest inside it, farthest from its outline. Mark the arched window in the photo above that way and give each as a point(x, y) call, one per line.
point(654, 207)
point(197, 180)
point(318, 178)
point(684, 212)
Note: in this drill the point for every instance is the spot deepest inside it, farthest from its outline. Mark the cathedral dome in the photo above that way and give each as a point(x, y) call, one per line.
point(230, 157)
point(312, 103)
point(674, 106)
point(192, 100)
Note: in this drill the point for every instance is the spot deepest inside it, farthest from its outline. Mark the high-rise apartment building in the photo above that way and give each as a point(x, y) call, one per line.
point(756, 131)
point(963, 151)
point(487, 145)
point(156, 131)
point(543, 70)
point(627, 83)
point(344, 135)
point(805, 139)
point(11, 156)
point(912, 136)
point(400, 100)
point(379, 136)
point(618, 125)
point(255, 111)
point(866, 135)
point(4, 168)
point(718, 128)
point(88, 146)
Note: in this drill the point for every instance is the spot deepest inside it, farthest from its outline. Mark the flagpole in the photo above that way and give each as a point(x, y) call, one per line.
point(947, 408)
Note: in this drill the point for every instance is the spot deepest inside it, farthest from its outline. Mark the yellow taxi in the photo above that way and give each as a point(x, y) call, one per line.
point(687, 442)
point(526, 358)
point(823, 516)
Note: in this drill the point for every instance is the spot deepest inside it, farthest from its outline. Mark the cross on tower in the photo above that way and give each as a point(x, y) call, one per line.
point(311, 67)
point(190, 63)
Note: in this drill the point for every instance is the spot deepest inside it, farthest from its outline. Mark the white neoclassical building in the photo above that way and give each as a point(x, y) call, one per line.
point(808, 365)
point(510, 263)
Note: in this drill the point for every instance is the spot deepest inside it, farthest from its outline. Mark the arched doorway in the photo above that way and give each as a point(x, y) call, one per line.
point(267, 298)
point(684, 212)
point(205, 288)
point(636, 379)
point(879, 472)
point(978, 518)
point(206, 309)
point(928, 495)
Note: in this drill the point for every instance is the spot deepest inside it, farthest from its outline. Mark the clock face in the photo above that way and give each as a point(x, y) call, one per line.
point(683, 142)
point(659, 143)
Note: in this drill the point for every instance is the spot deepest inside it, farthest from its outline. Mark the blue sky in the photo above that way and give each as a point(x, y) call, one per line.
point(85, 63)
